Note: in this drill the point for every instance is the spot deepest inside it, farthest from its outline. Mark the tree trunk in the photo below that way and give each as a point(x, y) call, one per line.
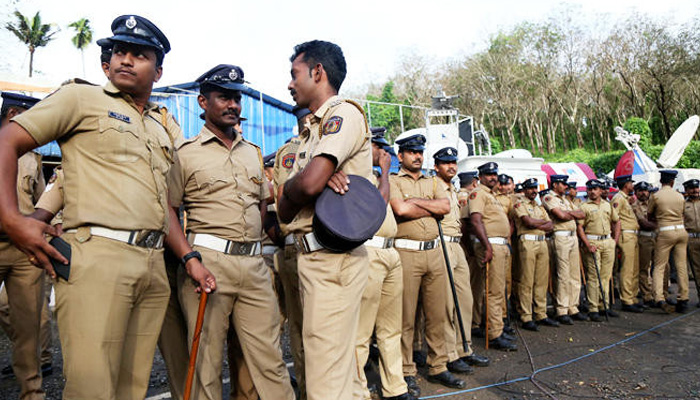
point(31, 62)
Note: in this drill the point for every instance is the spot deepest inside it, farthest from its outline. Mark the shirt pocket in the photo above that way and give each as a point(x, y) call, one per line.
point(118, 141)
point(163, 152)
point(214, 180)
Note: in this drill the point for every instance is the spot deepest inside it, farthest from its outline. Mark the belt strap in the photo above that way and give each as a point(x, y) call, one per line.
point(536, 238)
point(636, 232)
point(215, 243)
point(307, 243)
point(598, 237)
point(269, 249)
point(380, 242)
point(564, 233)
point(289, 239)
point(671, 228)
point(647, 233)
point(494, 240)
point(409, 244)
point(141, 238)
point(453, 239)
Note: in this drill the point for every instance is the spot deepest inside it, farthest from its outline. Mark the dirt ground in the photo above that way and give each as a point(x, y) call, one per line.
point(656, 362)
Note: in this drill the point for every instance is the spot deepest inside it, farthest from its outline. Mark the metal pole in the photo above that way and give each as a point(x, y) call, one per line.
point(369, 113)
point(465, 345)
point(600, 284)
point(262, 124)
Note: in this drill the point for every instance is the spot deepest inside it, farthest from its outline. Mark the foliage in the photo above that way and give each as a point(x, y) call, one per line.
point(32, 33)
point(388, 116)
point(640, 127)
point(83, 33)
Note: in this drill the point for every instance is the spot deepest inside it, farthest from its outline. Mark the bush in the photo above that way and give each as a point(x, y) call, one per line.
point(641, 128)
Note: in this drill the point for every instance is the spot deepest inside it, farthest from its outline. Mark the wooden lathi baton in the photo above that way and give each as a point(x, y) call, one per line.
point(486, 307)
point(195, 344)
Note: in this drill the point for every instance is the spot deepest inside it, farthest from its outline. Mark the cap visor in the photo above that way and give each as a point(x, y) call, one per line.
point(135, 40)
point(227, 86)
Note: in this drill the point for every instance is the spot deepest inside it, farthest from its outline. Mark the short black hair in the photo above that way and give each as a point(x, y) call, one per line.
point(328, 54)
point(666, 180)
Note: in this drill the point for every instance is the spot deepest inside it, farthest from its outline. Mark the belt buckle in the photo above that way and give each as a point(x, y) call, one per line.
point(389, 243)
point(429, 245)
point(301, 244)
point(148, 240)
point(243, 248)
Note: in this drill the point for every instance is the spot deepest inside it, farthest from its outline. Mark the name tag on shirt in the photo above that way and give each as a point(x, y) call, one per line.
point(120, 117)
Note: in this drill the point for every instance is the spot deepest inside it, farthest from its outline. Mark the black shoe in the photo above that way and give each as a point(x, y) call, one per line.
point(46, 369)
point(531, 326)
point(671, 301)
point(419, 358)
point(682, 306)
point(579, 316)
point(507, 336)
point(478, 333)
point(666, 307)
point(507, 329)
point(477, 360)
point(595, 317)
point(565, 320)
point(374, 391)
point(460, 367)
point(548, 322)
point(633, 308)
point(445, 378)
point(413, 388)
point(501, 343)
point(613, 314)
point(648, 304)
point(405, 396)
point(7, 372)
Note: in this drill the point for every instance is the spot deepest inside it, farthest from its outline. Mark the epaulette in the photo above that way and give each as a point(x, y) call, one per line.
point(187, 141)
point(336, 103)
point(260, 157)
point(78, 81)
point(249, 142)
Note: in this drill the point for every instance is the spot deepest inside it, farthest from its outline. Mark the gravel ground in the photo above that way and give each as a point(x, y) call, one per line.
point(660, 364)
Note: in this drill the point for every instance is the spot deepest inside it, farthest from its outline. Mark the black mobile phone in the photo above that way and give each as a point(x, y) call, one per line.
point(62, 270)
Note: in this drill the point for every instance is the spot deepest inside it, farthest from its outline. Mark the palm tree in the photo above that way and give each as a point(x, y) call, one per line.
point(32, 33)
point(83, 37)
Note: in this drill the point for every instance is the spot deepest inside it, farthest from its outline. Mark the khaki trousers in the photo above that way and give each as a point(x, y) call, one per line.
point(675, 241)
point(331, 286)
point(694, 258)
point(424, 273)
point(646, 256)
point(172, 341)
point(287, 266)
point(476, 278)
point(45, 334)
point(460, 272)
point(568, 287)
point(534, 279)
point(109, 316)
point(24, 285)
point(629, 268)
point(242, 386)
point(605, 259)
point(380, 312)
point(497, 285)
point(244, 294)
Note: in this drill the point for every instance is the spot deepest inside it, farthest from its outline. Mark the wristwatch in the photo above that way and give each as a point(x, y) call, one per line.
point(191, 254)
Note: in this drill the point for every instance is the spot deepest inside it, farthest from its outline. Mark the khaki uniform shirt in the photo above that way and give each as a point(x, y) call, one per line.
point(598, 217)
point(463, 196)
point(506, 201)
point(628, 220)
point(284, 161)
point(528, 208)
point(116, 159)
point(389, 226)
point(640, 209)
point(30, 181)
point(495, 220)
point(554, 201)
point(576, 201)
point(451, 222)
point(404, 187)
point(344, 137)
point(52, 198)
point(667, 205)
point(691, 215)
point(221, 189)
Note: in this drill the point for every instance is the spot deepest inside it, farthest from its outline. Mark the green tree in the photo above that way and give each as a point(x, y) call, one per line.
point(82, 38)
point(32, 33)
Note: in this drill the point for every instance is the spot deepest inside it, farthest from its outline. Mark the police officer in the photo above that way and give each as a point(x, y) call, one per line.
point(595, 232)
point(532, 224)
point(492, 231)
point(572, 192)
point(646, 241)
point(380, 311)
point(459, 360)
point(208, 170)
point(417, 200)
point(338, 145)
point(286, 259)
point(666, 207)
point(629, 249)
point(568, 268)
point(117, 154)
point(691, 218)
point(23, 282)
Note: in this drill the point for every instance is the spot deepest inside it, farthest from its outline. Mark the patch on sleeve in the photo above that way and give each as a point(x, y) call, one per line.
point(288, 161)
point(517, 205)
point(332, 125)
point(547, 198)
point(53, 178)
point(472, 196)
point(615, 204)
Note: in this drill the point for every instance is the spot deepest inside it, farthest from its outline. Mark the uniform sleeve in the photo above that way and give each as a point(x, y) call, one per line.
point(176, 182)
point(55, 116)
point(519, 210)
point(549, 203)
point(477, 202)
point(342, 134)
point(39, 182)
point(614, 215)
point(652, 204)
point(52, 198)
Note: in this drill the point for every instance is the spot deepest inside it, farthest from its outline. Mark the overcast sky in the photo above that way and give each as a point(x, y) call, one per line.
point(259, 35)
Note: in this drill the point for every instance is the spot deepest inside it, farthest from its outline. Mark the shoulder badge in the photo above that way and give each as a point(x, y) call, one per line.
point(615, 204)
point(332, 125)
point(547, 198)
point(517, 205)
point(288, 160)
point(472, 196)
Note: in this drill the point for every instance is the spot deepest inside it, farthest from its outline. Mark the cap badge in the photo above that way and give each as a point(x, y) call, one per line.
point(131, 22)
point(233, 75)
point(449, 152)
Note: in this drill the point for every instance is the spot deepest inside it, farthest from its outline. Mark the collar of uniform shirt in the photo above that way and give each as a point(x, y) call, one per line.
point(111, 89)
point(208, 135)
point(324, 107)
point(403, 171)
